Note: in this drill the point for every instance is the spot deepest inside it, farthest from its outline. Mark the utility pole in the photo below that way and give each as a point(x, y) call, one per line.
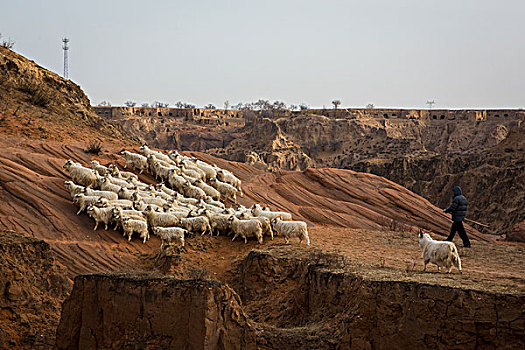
point(65, 40)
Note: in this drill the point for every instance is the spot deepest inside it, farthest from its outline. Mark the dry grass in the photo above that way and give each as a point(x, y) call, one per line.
point(37, 94)
point(94, 147)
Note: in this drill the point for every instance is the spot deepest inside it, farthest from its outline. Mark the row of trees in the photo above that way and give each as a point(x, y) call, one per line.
point(259, 105)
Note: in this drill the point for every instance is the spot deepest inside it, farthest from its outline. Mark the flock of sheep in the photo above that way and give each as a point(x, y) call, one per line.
point(190, 199)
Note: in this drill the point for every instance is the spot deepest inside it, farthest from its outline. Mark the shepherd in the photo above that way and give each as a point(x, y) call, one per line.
point(458, 209)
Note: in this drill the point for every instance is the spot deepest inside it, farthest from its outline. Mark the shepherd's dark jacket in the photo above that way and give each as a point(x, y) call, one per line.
point(458, 208)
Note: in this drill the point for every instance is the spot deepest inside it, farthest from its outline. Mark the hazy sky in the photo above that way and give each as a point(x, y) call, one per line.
point(392, 53)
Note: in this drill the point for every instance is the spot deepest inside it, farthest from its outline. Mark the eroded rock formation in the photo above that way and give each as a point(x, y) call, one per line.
point(32, 288)
point(122, 312)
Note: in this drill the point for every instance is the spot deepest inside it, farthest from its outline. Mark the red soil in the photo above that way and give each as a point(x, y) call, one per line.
point(346, 209)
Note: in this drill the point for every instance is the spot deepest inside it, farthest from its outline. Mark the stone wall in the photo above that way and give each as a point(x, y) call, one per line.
point(423, 114)
point(180, 113)
point(352, 113)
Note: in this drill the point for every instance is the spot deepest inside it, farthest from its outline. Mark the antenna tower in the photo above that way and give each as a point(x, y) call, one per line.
point(65, 40)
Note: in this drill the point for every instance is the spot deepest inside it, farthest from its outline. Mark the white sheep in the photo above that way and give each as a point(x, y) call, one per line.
point(156, 219)
point(137, 161)
point(442, 253)
point(198, 224)
point(158, 168)
point(211, 201)
point(258, 211)
point(209, 171)
point(79, 174)
point(106, 185)
point(118, 182)
point(246, 228)
point(73, 188)
point(115, 171)
point(187, 201)
point(227, 191)
point(146, 151)
point(121, 203)
point(168, 234)
point(191, 166)
point(265, 222)
point(131, 226)
point(103, 215)
point(159, 202)
point(84, 201)
point(219, 222)
point(175, 181)
point(162, 187)
point(100, 169)
point(119, 213)
point(226, 176)
point(203, 205)
point(104, 194)
point(193, 191)
point(175, 157)
point(191, 174)
point(210, 191)
point(289, 229)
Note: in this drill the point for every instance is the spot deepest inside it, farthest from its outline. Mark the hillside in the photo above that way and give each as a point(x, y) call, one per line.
point(35, 201)
point(359, 284)
point(38, 104)
point(481, 151)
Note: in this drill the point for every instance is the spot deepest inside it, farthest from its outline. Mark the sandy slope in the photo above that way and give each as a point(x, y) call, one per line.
point(33, 200)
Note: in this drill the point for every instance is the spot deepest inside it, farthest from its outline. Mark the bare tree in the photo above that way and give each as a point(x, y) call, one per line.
point(226, 105)
point(262, 105)
point(104, 104)
point(293, 107)
point(336, 104)
point(145, 105)
point(179, 104)
point(158, 104)
point(210, 106)
point(130, 103)
point(8, 44)
point(370, 106)
point(278, 105)
point(238, 106)
point(303, 106)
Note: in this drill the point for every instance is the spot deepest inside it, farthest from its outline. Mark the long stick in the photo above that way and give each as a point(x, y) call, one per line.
point(475, 222)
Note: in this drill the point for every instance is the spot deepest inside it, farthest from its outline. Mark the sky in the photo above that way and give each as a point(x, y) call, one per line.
point(391, 53)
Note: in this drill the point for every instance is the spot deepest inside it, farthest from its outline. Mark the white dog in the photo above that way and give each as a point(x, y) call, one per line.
point(442, 253)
